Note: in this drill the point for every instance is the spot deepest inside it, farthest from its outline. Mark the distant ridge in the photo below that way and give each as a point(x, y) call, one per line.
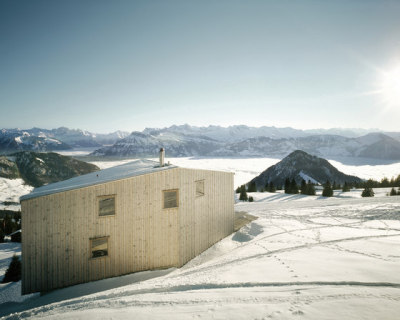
point(239, 141)
point(42, 140)
point(300, 165)
point(211, 141)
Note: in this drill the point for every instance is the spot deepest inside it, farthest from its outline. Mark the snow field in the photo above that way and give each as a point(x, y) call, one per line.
point(305, 257)
point(11, 190)
point(330, 259)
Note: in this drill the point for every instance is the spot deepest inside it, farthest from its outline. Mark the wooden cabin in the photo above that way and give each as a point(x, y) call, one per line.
point(139, 216)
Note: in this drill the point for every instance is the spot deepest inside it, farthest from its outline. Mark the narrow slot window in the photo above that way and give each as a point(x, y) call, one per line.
point(171, 199)
point(200, 188)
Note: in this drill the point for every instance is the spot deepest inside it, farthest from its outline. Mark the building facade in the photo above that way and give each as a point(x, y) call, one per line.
point(134, 217)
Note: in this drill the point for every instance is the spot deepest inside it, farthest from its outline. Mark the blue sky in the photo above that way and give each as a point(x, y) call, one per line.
point(109, 65)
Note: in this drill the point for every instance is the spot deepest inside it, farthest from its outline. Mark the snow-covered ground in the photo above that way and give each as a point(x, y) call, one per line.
point(9, 292)
point(303, 258)
point(10, 191)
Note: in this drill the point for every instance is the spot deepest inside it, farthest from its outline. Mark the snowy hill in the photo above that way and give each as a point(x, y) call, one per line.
point(300, 165)
point(37, 169)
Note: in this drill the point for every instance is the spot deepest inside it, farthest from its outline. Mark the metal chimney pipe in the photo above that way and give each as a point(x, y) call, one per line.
point(162, 155)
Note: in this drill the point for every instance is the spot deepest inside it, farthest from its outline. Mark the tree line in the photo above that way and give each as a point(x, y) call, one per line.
point(308, 188)
point(10, 221)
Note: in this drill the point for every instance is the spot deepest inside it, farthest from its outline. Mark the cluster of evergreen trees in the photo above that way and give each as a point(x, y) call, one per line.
point(243, 193)
point(367, 192)
point(393, 192)
point(291, 186)
point(306, 188)
point(269, 187)
point(328, 190)
point(10, 221)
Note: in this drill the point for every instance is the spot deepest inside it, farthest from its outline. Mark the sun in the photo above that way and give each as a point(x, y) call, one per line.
point(390, 86)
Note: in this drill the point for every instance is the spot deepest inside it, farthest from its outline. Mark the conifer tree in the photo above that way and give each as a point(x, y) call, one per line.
point(303, 187)
point(13, 272)
point(238, 189)
point(393, 192)
point(8, 224)
point(310, 189)
point(252, 187)
point(346, 187)
point(328, 191)
point(243, 193)
point(294, 189)
point(367, 192)
point(287, 185)
point(271, 187)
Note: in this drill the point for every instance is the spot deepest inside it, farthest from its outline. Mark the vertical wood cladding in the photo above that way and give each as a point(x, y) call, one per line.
point(59, 229)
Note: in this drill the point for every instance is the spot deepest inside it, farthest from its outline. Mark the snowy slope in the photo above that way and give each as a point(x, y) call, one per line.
point(321, 259)
point(10, 192)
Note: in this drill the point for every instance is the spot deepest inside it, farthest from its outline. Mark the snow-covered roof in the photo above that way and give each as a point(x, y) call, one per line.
point(131, 169)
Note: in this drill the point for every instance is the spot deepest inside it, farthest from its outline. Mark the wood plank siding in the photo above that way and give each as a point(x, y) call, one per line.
point(58, 229)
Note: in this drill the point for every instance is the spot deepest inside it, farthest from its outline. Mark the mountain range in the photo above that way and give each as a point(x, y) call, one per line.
point(238, 141)
point(212, 141)
point(37, 139)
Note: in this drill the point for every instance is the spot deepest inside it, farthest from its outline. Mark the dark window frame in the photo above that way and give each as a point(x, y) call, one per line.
point(100, 254)
point(200, 194)
point(102, 198)
point(177, 199)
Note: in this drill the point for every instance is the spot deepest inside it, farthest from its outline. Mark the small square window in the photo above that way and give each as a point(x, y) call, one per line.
point(200, 188)
point(171, 199)
point(99, 247)
point(106, 205)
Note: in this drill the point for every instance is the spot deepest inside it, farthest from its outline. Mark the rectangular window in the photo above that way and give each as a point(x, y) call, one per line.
point(99, 247)
point(200, 188)
point(171, 199)
point(107, 205)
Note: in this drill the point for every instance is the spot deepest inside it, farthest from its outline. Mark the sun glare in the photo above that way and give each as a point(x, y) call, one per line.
point(390, 87)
